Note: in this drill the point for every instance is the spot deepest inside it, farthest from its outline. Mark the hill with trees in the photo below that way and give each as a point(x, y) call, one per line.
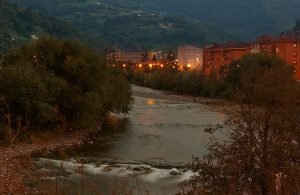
point(130, 27)
point(246, 19)
point(19, 25)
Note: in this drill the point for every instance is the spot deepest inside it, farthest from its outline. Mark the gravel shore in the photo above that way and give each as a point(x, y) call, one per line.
point(15, 161)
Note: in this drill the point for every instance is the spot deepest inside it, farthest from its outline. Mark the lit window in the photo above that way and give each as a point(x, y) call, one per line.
point(295, 45)
point(295, 54)
point(295, 63)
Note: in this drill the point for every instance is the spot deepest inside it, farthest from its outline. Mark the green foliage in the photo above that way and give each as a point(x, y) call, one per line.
point(250, 64)
point(24, 95)
point(50, 82)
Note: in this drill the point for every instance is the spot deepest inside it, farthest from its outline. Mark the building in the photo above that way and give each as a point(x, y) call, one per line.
point(190, 57)
point(286, 46)
point(216, 58)
point(126, 57)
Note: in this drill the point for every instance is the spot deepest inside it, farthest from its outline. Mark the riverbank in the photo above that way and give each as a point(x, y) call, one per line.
point(15, 161)
point(16, 171)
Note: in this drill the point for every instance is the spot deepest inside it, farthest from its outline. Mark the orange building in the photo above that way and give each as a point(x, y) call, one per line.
point(217, 57)
point(286, 46)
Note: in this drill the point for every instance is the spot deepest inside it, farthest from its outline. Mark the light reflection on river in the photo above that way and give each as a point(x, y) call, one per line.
point(154, 140)
point(160, 130)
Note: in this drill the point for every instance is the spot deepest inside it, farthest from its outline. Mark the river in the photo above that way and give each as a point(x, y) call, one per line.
point(139, 153)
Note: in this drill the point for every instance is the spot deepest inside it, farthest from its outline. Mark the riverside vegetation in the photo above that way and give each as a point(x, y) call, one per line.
point(54, 84)
point(219, 84)
point(53, 94)
point(260, 151)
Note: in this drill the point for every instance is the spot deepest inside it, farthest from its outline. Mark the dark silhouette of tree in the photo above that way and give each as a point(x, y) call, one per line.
point(260, 152)
point(297, 26)
point(49, 82)
point(154, 58)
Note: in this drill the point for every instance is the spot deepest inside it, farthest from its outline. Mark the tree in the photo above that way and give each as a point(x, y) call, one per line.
point(260, 153)
point(50, 83)
point(170, 55)
point(297, 25)
point(24, 102)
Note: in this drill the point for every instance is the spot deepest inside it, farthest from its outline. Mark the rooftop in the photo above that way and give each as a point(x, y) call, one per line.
point(229, 45)
point(288, 36)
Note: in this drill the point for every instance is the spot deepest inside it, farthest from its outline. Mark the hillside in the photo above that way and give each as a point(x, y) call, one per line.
point(18, 25)
point(241, 17)
point(129, 27)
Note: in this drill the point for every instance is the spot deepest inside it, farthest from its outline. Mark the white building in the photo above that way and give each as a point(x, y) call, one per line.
point(190, 57)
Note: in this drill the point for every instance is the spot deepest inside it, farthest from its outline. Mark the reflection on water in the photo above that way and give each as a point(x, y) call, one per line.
point(155, 140)
point(150, 101)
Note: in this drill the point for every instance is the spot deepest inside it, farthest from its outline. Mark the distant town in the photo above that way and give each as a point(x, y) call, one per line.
point(213, 58)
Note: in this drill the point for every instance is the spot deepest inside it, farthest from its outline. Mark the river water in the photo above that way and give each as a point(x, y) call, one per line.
point(140, 153)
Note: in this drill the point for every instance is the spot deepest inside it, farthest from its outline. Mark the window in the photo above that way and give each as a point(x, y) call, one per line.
point(295, 63)
point(295, 45)
point(295, 54)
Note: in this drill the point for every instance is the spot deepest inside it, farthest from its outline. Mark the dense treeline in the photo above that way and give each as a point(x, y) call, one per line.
point(51, 83)
point(131, 28)
point(194, 83)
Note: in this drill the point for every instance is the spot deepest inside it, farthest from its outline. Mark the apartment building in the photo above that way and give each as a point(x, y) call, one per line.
point(217, 57)
point(286, 46)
